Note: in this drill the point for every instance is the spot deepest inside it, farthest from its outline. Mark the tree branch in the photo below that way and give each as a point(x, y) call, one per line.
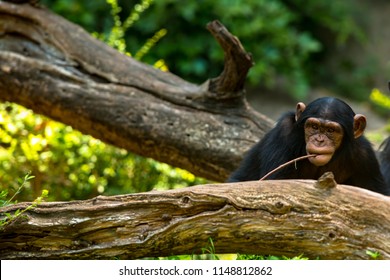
point(57, 69)
point(230, 84)
point(268, 217)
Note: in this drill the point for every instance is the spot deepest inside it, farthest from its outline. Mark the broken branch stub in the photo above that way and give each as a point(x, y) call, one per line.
point(230, 84)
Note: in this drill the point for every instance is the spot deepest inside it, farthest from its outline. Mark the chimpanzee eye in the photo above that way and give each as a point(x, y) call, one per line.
point(314, 126)
point(330, 130)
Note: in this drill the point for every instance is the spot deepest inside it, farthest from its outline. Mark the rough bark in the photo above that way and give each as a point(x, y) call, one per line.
point(287, 218)
point(57, 69)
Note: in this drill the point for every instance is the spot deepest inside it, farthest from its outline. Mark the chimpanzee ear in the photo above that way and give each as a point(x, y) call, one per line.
point(359, 125)
point(299, 109)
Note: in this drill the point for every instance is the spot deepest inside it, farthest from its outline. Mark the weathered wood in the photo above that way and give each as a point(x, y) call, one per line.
point(230, 84)
point(268, 217)
point(57, 69)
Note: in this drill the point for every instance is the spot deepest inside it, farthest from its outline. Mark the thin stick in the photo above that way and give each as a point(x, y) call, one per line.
point(285, 164)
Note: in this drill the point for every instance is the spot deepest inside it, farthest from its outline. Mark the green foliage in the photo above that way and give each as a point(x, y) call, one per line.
point(92, 15)
point(115, 38)
point(382, 103)
point(72, 165)
point(380, 98)
point(335, 16)
point(208, 253)
point(240, 257)
point(4, 193)
point(373, 255)
point(18, 213)
point(257, 257)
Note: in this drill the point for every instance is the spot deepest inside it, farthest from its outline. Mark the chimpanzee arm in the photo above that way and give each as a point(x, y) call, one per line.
point(249, 169)
point(267, 154)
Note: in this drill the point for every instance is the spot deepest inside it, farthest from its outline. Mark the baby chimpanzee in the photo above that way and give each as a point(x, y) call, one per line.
point(329, 129)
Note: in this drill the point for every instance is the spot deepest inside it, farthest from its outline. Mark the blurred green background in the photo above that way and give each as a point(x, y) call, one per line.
point(297, 45)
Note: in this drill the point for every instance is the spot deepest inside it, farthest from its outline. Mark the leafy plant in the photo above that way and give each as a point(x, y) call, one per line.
point(373, 255)
point(18, 213)
point(208, 253)
point(116, 37)
point(4, 193)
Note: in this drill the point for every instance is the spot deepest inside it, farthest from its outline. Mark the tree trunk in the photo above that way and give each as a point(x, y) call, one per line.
point(286, 218)
point(57, 69)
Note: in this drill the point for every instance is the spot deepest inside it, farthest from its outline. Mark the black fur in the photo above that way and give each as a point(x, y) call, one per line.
point(354, 163)
point(385, 160)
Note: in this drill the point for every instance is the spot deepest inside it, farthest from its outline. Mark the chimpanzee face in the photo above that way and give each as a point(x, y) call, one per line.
point(323, 134)
point(322, 138)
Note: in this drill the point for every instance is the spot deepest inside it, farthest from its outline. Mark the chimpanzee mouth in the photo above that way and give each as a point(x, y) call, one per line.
point(320, 159)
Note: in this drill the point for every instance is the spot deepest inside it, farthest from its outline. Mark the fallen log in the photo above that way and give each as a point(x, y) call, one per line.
point(289, 218)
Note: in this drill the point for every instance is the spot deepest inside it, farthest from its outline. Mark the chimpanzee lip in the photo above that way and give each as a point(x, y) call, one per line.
point(321, 159)
point(312, 149)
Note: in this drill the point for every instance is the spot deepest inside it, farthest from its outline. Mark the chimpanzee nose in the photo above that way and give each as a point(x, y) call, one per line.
point(320, 140)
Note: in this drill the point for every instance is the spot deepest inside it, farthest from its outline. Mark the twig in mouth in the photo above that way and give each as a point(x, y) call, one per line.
point(285, 164)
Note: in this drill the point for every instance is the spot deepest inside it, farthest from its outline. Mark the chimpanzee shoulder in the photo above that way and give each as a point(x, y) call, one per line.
point(364, 167)
point(273, 150)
